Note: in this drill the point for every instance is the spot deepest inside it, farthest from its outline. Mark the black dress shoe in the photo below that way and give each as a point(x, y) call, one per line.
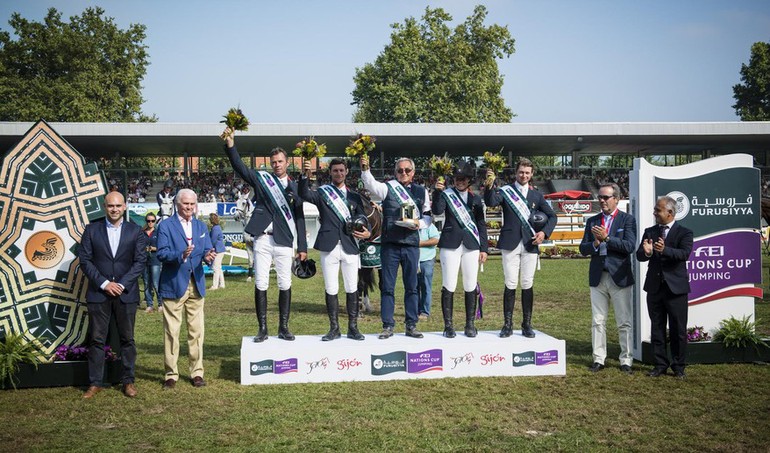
point(680, 375)
point(656, 372)
point(198, 381)
point(387, 332)
point(626, 369)
point(169, 384)
point(411, 331)
point(596, 367)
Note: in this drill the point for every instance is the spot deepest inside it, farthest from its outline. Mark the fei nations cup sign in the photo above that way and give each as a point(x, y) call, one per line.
point(719, 200)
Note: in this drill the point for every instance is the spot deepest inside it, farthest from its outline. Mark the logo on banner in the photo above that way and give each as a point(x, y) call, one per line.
point(347, 364)
point(285, 366)
point(44, 249)
point(274, 367)
point(465, 358)
point(524, 358)
point(547, 358)
point(575, 208)
point(492, 359)
point(720, 263)
point(323, 363)
point(391, 362)
point(263, 367)
point(422, 362)
point(682, 204)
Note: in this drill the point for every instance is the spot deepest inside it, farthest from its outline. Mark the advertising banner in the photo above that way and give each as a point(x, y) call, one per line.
point(311, 360)
point(719, 200)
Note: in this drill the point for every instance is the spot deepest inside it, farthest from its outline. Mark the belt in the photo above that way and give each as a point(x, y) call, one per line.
point(268, 233)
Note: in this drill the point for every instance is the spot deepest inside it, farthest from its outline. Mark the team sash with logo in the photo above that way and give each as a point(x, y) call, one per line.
point(272, 186)
point(518, 204)
point(336, 201)
point(461, 212)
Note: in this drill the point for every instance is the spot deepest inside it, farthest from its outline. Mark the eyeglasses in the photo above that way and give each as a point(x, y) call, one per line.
point(150, 220)
point(605, 197)
point(401, 171)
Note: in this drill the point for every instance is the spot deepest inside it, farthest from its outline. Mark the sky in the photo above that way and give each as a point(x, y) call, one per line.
point(293, 61)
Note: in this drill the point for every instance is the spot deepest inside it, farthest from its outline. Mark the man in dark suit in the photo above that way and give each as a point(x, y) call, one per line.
point(519, 239)
point(609, 239)
point(277, 221)
point(667, 246)
point(337, 241)
point(183, 245)
point(463, 244)
point(112, 255)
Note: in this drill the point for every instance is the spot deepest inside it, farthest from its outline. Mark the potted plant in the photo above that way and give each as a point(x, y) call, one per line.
point(735, 341)
point(15, 350)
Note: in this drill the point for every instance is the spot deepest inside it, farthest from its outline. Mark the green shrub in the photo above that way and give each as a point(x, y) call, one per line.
point(738, 333)
point(14, 349)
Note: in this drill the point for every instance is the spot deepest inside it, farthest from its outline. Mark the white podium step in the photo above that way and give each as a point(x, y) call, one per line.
point(308, 359)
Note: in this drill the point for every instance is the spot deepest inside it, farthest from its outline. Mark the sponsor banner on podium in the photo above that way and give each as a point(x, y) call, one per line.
point(308, 359)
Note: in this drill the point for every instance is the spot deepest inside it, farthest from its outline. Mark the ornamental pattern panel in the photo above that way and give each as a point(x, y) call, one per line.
point(48, 193)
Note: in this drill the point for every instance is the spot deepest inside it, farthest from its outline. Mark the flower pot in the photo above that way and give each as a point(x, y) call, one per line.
point(705, 352)
point(62, 374)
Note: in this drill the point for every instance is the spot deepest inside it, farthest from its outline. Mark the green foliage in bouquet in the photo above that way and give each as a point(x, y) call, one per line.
point(360, 145)
point(494, 161)
point(236, 120)
point(309, 148)
point(440, 166)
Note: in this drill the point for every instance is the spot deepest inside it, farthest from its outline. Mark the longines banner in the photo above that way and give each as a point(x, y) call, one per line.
point(48, 193)
point(719, 199)
point(311, 360)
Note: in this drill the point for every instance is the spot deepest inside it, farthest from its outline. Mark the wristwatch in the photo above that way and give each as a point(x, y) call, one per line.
point(606, 238)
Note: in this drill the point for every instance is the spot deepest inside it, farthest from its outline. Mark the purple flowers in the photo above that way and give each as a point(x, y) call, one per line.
point(697, 333)
point(73, 353)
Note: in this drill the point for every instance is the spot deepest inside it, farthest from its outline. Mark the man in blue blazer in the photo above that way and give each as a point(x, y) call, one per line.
point(183, 245)
point(610, 239)
point(517, 242)
point(667, 247)
point(277, 222)
point(112, 255)
point(337, 241)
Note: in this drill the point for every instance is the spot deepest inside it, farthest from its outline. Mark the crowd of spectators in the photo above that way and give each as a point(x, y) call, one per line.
point(223, 187)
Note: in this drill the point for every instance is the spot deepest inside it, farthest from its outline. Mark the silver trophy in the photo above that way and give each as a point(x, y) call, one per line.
point(408, 216)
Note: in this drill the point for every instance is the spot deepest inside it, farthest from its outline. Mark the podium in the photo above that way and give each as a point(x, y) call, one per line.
point(308, 359)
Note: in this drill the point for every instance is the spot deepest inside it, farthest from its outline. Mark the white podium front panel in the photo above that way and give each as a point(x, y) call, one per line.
point(308, 359)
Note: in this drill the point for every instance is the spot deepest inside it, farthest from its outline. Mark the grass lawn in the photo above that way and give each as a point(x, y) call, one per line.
point(718, 407)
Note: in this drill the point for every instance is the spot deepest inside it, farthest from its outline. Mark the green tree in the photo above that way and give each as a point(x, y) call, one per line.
point(753, 96)
point(431, 74)
point(84, 70)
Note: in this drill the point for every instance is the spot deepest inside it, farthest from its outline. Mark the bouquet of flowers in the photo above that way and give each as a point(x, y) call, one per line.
point(360, 145)
point(236, 120)
point(309, 148)
point(697, 333)
point(441, 166)
point(494, 161)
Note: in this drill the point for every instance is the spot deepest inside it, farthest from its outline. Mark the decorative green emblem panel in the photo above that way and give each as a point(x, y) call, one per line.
point(48, 193)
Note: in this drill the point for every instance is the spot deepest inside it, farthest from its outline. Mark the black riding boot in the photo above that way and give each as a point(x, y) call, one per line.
point(260, 304)
point(332, 309)
point(527, 298)
point(284, 306)
point(447, 302)
point(351, 304)
point(509, 299)
point(470, 314)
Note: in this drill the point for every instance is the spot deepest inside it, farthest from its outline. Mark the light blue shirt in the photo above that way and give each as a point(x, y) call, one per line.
point(428, 252)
